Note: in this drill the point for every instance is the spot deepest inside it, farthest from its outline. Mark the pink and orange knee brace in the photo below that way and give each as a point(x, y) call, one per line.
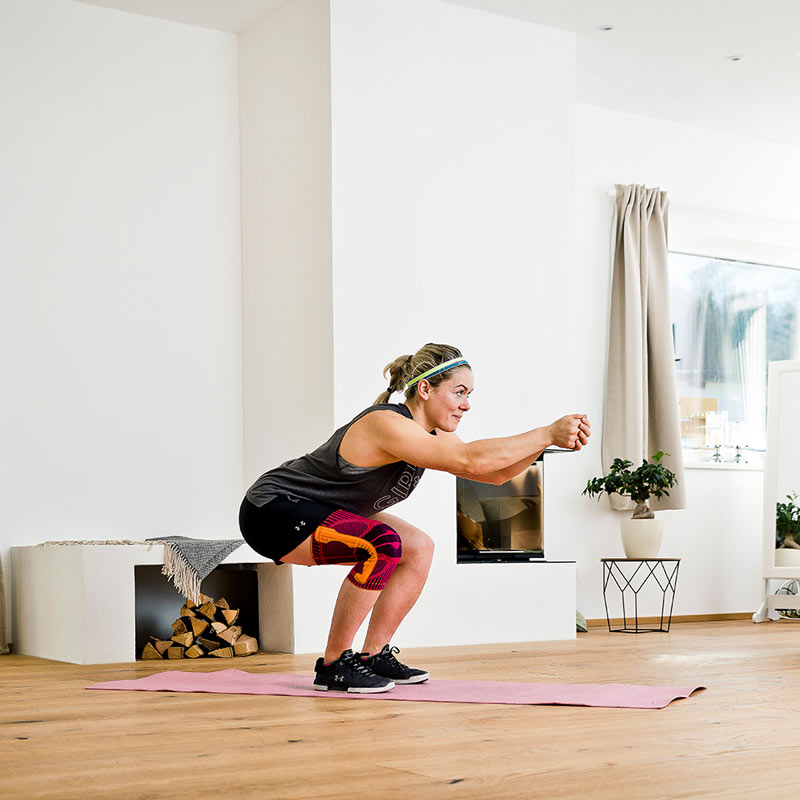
point(374, 548)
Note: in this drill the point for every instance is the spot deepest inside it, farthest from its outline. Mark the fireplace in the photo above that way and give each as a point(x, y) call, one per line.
point(501, 523)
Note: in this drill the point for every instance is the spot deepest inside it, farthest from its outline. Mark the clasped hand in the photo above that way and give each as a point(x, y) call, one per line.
point(571, 432)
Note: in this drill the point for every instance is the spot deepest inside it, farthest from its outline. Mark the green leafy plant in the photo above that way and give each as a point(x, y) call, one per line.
point(651, 479)
point(787, 523)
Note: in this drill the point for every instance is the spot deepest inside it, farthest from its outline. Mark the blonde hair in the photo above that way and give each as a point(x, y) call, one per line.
point(405, 368)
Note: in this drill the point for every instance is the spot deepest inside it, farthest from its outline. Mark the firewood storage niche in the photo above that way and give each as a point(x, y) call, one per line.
point(158, 603)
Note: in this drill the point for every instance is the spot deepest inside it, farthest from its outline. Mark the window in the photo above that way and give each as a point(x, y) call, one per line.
point(730, 319)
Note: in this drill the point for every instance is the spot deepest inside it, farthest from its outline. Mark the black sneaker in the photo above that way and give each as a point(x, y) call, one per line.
point(387, 666)
point(349, 674)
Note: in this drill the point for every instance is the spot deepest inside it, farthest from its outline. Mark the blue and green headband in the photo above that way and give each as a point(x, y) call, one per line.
point(453, 362)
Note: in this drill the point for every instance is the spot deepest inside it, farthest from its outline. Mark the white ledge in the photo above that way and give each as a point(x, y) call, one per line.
point(720, 465)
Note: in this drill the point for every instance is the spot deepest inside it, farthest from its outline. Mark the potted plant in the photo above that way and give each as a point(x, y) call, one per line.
point(641, 535)
point(787, 533)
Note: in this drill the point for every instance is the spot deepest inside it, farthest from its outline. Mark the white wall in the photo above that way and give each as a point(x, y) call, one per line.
point(452, 207)
point(452, 202)
point(120, 254)
point(744, 185)
point(286, 234)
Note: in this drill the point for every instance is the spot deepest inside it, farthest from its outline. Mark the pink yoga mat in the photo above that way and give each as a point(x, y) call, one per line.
point(235, 681)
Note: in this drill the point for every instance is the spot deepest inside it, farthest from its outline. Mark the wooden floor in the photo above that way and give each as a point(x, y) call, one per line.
point(736, 739)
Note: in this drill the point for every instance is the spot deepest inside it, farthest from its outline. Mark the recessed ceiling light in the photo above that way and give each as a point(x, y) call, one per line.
point(605, 28)
point(734, 58)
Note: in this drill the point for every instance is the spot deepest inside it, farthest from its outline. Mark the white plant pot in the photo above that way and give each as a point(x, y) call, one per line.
point(787, 557)
point(641, 538)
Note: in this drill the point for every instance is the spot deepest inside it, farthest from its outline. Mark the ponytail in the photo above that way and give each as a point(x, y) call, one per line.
point(399, 374)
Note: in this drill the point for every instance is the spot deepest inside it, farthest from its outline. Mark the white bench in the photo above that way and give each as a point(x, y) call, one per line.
point(77, 603)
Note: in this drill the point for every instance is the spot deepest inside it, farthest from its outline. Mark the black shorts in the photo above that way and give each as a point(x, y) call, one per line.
point(275, 529)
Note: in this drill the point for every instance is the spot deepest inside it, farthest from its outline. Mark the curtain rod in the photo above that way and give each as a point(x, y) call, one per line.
point(612, 193)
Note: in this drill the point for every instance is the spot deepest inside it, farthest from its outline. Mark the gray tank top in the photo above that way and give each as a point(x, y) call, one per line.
point(323, 476)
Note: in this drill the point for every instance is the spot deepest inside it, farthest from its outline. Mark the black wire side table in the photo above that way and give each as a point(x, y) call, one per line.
point(630, 575)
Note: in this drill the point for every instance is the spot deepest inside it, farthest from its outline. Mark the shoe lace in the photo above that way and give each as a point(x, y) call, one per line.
point(354, 661)
point(390, 657)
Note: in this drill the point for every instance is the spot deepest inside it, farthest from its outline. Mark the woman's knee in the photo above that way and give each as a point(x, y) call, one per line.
point(417, 548)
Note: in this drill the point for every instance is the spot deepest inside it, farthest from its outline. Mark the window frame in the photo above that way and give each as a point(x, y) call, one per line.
point(732, 236)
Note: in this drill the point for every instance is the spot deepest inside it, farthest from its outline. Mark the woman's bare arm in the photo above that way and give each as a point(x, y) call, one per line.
point(501, 476)
point(399, 438)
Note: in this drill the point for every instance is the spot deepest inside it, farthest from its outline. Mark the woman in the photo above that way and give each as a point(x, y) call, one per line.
point(328, 507)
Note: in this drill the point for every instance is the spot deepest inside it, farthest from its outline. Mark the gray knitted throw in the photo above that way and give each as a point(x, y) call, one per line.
point(187, 561)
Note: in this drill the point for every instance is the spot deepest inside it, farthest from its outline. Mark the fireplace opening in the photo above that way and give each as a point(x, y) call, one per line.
point(501, 523)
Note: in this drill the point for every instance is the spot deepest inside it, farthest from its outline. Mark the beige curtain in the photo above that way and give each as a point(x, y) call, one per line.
point(641, 408)
point(3, 639)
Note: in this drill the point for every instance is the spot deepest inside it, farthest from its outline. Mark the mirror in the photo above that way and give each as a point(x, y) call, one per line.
point(781, 482)
point(782, 470)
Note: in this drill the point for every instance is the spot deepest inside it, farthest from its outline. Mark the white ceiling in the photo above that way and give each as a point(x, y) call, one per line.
point(664, 58)
point(232, 16)
point(668, 58)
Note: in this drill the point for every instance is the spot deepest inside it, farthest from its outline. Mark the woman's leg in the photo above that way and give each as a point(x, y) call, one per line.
point(390, 605)
point(351, 609)
point(405, 585)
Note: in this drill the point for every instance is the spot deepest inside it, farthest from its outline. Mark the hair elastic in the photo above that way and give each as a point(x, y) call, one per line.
point(453, 362)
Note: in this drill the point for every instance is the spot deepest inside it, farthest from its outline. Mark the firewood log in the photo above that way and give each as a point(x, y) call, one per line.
point(162, 645)
point(223, 652)
point(150, 652)
point(176, 651)
point(208, 644)
point(208, 610)
point(195, 651)
point(230, 615)
point(179, 626)
point(184, 639)
point(245, 646)
point(198, 625)
point(218, 627)
point(222, 603)
point(230, 635)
